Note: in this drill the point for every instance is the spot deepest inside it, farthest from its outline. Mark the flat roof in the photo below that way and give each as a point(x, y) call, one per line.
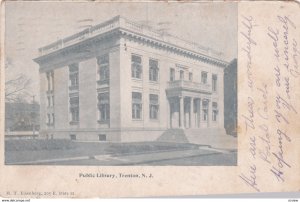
point(120, 22)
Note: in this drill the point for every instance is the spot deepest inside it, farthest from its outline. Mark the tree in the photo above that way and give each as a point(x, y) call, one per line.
point(16, 87)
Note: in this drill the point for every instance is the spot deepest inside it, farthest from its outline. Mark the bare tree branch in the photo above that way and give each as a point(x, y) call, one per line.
point(16, 88)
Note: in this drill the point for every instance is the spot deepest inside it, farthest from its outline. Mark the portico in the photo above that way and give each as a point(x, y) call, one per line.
point(190, 112)
point(190, 105)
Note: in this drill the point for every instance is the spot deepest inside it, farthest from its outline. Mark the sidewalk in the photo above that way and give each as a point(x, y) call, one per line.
point(131, 159)
point(152, 157)
point(226, 142)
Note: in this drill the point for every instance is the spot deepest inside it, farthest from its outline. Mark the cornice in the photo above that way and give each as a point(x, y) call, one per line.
point(120, 27)
point(173, 48)
point(79, 51)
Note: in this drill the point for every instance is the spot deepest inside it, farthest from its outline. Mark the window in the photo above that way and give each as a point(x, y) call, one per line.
point(50, 80)
point(104, 107)
point(214, 82)
point(181, 75)
point(205, 109)
point(153, 70)
point(73, 137)
point(49, 101)
point(190, 76)
point(215, 111)
point(136, 105)
point(73, 75)
point(75, 115)
point(48, 119)
point(53, 118)
point(74, 108)
point(172, 74)
point(102, 137)
point(154, 106)
point(204, 77)
point(136, 66)
point(103, 68)
point(52, 100)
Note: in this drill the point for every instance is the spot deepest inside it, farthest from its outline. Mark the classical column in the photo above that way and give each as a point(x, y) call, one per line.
point(192, 115)
point(199, 113)
point(52, 81)
point(181, 114)
point(170, 113)
point(48, 81)
point(209, 113)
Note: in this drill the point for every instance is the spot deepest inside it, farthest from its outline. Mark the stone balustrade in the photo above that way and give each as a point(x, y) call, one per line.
point(119, 22)
point(189, 85)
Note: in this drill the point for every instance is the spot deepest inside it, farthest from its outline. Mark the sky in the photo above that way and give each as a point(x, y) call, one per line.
point(31, 25)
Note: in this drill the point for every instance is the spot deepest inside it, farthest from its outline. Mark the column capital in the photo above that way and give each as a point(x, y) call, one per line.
point(206, 99)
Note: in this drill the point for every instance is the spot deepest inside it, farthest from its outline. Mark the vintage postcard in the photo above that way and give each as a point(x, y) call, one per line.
point(131, 99)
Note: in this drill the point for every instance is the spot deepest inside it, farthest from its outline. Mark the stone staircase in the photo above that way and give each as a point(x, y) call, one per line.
point(213, 137)
point(173, 135)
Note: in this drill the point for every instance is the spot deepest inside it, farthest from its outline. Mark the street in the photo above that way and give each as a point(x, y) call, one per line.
point(177, 158)
point(63, 152)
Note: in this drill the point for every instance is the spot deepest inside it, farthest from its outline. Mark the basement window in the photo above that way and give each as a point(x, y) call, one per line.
point(73, 137)
point(102, 137)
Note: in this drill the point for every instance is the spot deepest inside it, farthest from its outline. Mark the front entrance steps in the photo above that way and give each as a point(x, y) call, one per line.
point(173, 135)
point(213, 137)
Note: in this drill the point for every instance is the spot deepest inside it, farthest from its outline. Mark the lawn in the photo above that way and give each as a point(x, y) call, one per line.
point(31, 150)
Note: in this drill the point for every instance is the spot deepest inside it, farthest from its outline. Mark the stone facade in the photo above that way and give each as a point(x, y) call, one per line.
point(120, 81)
